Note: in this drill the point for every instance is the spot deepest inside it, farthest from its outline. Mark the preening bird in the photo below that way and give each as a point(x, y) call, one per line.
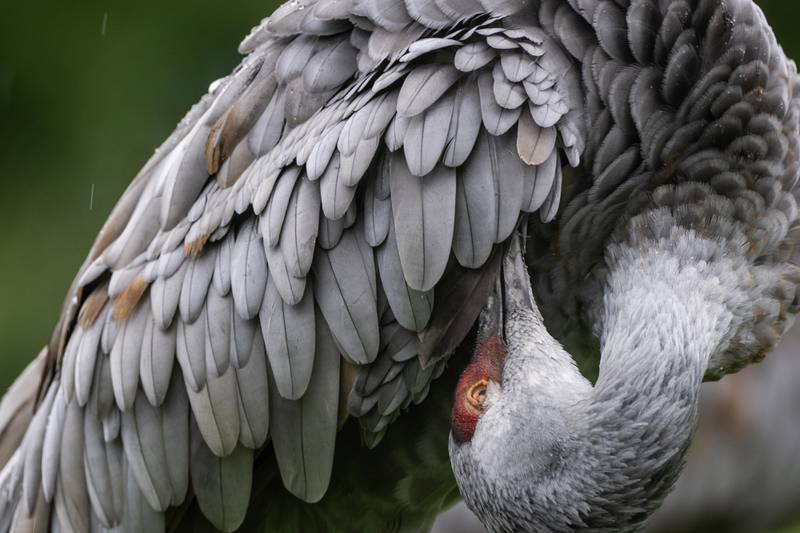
point(332, 268)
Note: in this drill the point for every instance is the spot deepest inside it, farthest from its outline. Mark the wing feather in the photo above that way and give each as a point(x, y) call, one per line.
point(423, 87)
point(125, 358)
point(254, 397)
point(426, 137)
point(146, 451)
point(377, 216)
point(71, 497)
point(216, 411)
point(190, 351)
point(221, 484)
point(412, 308)
point(278, 205)
point(104, 463)
point(248, 271)
point(34, 448)
point(157, 360)
point(424, 216)
point(465, 124)
point(289, 346)
point(304, 430)
point(300, 230)
point(345, 293)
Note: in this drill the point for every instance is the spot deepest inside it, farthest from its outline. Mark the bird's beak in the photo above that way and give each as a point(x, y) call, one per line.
point(512, 296)
point(517, 293)
point(490, 322)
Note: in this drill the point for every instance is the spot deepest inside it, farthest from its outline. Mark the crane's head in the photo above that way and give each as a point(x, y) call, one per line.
point(509, 413)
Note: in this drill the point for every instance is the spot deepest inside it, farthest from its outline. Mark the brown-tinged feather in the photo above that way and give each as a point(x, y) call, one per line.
point(213, 157)
point(193, 248)
point(92, 306)
point(125, 303)
point(232, 126)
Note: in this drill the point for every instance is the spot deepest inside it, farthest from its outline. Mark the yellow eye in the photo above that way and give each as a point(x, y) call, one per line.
point(476, 395)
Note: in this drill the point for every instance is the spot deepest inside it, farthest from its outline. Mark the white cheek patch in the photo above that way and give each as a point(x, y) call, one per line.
point(492, 393)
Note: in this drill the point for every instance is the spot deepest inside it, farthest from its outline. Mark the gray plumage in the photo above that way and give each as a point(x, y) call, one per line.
point(426, 137)
point(277, 206)
point(289, 346)
point(424, 214)
point(290, 288)
point(476, 222)
point(165, 296)
point(304, 448)
point(157, 360)
point(185, 174)
point(349, 192)
point(345, 293)
point(146, 451)
point(300, 229)
point(411, 308)
point(335, 191)
point(195, 285)
point(217, 332)
point(125, 359)
point(34, 447)
point(377, 216)
point(221, 484)
point(473, 56)
point(216, 410)
point(71, 495)
point(534, 143)
point(103, 464)
point(423, 87)
point(465, 124)
point(190, 351)
point(85, 359)
point(254, 397)
point(496, 119)
point(248, 271)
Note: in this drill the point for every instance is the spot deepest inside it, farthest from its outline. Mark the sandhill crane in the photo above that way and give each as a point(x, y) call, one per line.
point(315, 243)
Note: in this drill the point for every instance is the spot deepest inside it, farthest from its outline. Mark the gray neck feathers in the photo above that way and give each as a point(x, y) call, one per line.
point(664, 317)
point(583, 458)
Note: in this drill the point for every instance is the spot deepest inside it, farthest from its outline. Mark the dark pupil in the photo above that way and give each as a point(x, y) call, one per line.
point(479, 393)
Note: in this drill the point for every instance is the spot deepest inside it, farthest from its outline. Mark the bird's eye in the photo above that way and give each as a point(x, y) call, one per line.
point(476, 395)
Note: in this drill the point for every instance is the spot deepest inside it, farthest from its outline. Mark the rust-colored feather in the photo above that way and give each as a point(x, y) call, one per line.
point(91, 308)
point(193, 248)
point(214, 146)
point(125, 304)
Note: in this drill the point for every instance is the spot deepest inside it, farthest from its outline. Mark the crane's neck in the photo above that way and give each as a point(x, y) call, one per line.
point(664, 316)
point(586, 458)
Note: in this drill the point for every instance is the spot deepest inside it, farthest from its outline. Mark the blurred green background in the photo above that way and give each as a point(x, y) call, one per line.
point(87, 91)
